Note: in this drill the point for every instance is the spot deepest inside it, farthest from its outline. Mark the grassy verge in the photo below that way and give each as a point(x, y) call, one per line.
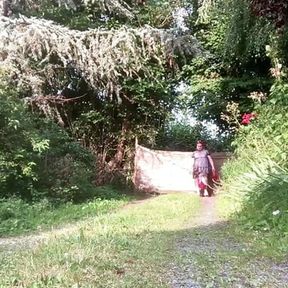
point(126, 248)
point(262, 242)
point(18, 217)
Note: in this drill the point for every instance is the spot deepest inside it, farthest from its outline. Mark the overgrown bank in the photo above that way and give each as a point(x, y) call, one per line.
point(257, 179)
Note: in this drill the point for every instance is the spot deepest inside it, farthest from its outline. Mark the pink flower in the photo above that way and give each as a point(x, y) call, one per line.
point(247, 117)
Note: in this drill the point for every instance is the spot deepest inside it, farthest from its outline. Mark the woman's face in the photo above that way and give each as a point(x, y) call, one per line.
point(199, 147)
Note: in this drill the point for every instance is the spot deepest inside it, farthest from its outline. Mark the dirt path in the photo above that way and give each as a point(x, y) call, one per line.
point(10, 244)
point(210, 257)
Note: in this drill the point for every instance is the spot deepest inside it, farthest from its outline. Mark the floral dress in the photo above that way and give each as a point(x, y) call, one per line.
point(201, 166)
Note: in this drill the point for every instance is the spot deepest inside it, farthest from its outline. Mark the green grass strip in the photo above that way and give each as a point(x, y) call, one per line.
point(127, 248)
point(18, 217)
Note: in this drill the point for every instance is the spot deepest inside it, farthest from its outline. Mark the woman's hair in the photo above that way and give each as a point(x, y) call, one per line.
point(201, 142)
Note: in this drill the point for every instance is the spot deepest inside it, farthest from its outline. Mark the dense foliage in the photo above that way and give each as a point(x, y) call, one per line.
point(104, 97)
point(236, 65)
point(275, 10)
point(256, 178)
point(180, 135)
point(38, 159)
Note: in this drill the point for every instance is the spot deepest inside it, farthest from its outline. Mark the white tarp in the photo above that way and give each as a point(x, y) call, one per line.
point(163, 170)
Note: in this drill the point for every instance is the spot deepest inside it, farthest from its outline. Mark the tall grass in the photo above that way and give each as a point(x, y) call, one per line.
point(20, 217)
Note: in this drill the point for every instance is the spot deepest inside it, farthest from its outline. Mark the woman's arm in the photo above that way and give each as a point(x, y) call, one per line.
point(211, 162)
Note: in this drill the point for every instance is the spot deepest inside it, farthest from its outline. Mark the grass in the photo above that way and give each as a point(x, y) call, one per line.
point(18, 217)
point(135, 246)
point(127, 248)
point(263, 242)
point(225, 205)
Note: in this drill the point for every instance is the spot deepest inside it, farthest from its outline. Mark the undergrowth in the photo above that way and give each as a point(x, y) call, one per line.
point(20, 217)
point(257, 178)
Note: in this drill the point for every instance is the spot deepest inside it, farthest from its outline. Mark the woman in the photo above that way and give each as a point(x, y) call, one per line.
point(203, 165)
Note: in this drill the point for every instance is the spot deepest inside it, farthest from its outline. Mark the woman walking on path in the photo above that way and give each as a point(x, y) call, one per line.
point(203, 169)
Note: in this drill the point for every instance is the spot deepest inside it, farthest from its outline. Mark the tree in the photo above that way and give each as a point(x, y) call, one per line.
point(237, 63)
point(106, 85)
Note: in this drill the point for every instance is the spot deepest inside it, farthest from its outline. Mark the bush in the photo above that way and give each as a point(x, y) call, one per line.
point(38, 159)
point(267, 207)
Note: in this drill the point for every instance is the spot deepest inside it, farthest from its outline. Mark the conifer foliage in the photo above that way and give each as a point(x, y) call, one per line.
point(34, 48)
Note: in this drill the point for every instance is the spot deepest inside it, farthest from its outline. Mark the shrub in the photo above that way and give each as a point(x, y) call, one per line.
point(38, 159)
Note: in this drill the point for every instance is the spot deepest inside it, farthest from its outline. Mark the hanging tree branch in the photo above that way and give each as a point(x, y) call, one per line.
point(31, 49)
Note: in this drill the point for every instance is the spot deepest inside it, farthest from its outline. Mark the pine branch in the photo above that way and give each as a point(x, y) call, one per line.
point(32, 49)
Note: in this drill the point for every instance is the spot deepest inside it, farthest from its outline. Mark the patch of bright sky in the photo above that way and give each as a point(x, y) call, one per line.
point(186, 116)
point(180, 15)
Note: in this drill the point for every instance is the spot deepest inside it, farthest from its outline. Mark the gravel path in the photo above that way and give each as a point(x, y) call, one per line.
point(210, 257)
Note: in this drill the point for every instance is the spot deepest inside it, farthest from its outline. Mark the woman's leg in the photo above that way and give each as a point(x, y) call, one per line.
point(202, 185)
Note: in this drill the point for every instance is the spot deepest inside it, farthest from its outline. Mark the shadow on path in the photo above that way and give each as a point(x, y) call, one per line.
point(209, 256)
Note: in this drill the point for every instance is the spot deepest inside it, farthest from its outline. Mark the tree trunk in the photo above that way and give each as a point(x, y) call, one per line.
point(120, 151)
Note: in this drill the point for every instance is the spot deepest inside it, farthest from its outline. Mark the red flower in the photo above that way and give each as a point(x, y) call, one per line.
point(247, 117)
